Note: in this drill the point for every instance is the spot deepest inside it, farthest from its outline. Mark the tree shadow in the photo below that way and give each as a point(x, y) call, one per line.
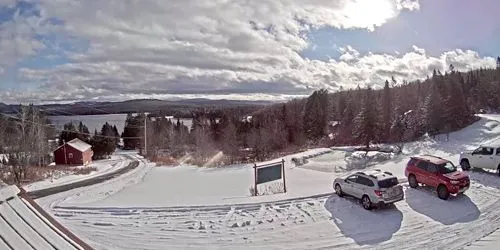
point(457, 209)
point(363, 226)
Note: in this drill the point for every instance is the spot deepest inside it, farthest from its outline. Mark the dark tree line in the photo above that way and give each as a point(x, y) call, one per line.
point(399, 112)
point(72, 131)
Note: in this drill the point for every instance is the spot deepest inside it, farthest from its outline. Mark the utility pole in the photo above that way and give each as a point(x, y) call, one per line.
point(145, 135)
point(65, 157)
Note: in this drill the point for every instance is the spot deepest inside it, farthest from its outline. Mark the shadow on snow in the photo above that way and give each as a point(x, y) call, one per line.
point(363, 226)
point(457, 209)
point(487, 178)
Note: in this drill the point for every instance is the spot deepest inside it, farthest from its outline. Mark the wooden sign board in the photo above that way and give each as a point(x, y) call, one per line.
point(269, 172)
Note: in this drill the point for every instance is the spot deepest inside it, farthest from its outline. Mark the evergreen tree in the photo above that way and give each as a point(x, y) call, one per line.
point(387, 109)
point(84, 133)
point(315, 114)
point(394, 83)
point(366, 123)
point(431, 111)
point(133, 131)
point(69, 133)
point(104, 143)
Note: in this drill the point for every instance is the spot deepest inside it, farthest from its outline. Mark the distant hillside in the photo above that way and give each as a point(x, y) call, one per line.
point(180, 108)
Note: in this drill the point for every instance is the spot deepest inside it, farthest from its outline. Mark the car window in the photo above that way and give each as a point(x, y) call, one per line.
point(412, 162)
point(477, 151)
point(483, 151)
point(387, 183)
point(352, 178)
point(432, 168)
point(365, 181)
point(498, 151)
point(422, 165)
point(447, 168)
point(488, 151)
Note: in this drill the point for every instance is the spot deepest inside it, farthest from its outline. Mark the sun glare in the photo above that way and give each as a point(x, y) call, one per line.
point(369, 13)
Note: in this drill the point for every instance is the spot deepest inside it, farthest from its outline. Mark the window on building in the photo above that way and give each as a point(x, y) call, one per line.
point(70, 155)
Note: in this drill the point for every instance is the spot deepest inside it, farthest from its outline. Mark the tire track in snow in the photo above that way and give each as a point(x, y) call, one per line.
point(321, 222)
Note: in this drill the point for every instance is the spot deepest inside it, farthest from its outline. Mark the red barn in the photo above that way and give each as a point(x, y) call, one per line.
point(74, 152)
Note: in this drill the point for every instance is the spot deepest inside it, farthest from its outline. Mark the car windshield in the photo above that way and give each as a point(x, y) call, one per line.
point(387, 183)
point(447, 168)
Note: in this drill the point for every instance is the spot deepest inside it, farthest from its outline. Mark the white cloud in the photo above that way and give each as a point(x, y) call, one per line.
point(348, 54)
point(232, 48)
point(17, 36)
point(117, 80)
point(418, 50)
point(408, 4)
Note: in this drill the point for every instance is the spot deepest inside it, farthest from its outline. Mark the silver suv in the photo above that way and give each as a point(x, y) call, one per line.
point(374, 188)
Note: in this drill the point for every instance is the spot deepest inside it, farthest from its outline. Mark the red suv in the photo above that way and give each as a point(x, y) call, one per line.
point(436, 172)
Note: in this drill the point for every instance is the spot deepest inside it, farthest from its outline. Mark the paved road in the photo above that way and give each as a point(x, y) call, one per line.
point(87, 182)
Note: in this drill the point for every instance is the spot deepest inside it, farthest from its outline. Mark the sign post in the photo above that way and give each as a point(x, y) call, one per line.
point(283, 169)
point(269, 172)
point(255, 179)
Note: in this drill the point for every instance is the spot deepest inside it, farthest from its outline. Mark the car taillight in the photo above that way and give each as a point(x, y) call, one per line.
point(378, 193)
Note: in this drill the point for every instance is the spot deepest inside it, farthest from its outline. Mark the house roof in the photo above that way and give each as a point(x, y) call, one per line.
point(78, 145)
point(25, 227)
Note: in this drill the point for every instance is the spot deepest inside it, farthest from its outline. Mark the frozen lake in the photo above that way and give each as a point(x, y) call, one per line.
point(96, 121)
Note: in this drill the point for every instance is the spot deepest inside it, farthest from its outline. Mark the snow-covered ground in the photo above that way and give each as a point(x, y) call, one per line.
point(116, 162)
point(490, 242)
point(162, 186)
point(191, 208)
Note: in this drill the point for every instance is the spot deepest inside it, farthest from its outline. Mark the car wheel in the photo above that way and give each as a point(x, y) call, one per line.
point(412, 180)
point(443, 193)
point(338, 190)
point(366, 202)
point(465, 165)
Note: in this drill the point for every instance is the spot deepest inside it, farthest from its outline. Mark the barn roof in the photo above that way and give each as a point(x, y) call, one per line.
point(24, 226)
point(78, 145)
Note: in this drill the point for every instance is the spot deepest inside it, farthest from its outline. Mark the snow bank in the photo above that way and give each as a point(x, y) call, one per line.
point(362, 160)
point(301, 160)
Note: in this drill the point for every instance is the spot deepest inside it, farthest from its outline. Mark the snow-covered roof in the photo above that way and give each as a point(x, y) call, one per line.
point(79, 145)
point(24, 227)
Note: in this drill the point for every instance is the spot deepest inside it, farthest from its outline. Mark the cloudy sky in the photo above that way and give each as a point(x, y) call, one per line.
point(94, 50)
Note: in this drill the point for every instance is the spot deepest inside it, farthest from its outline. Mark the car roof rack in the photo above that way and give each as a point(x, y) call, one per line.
point(373, 176)
point(386, 172)
point(435, 156)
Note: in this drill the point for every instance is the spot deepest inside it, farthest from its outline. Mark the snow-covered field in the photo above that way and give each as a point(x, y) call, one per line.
point(204, 208)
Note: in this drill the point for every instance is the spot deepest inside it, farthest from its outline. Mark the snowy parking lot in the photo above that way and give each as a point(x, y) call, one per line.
point(192, 208)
